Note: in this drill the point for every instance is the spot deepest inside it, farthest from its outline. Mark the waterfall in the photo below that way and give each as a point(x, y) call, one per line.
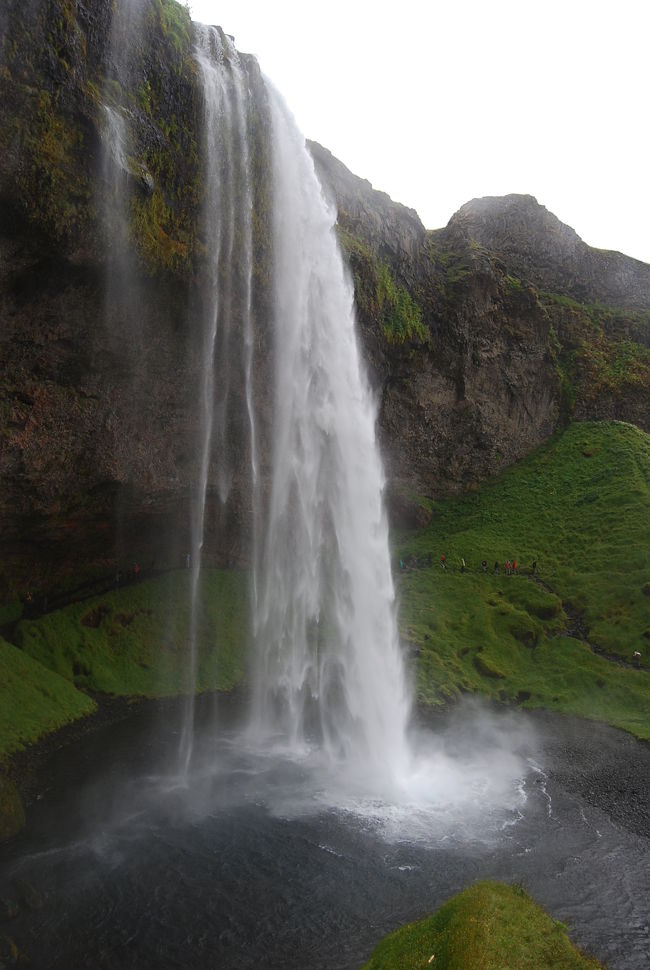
point(117, 150)
point(328, 668)
point(327, 671)
point(123, 281)
point(225, 319)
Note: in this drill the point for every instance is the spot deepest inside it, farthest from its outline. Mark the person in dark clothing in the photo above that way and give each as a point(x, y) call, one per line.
point(496, 568)
point(484, 565)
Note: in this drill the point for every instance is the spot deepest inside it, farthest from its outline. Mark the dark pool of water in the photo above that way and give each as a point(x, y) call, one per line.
point(253, 866)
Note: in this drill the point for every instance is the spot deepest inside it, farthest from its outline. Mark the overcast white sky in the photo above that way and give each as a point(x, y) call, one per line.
point(440, 102)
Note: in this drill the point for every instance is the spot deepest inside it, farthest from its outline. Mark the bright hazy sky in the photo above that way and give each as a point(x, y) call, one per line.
point(440, 102)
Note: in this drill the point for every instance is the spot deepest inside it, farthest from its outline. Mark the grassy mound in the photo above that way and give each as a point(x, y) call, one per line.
point(491, 926)
point(579, 507)
point(134, 640)
point(33, 700)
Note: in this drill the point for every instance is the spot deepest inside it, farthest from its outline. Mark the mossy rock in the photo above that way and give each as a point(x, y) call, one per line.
point(486, 670)
point(12, 813)
point(491, 926)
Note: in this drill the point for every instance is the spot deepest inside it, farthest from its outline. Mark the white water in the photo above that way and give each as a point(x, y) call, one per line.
point(327, 669)
point(227, 217)
point(330, 700)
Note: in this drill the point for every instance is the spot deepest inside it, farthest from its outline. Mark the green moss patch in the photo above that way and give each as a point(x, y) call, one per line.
point(491, 926)
point(135, 640)
point(584, 520)
point(33, 700)
point(379, 297)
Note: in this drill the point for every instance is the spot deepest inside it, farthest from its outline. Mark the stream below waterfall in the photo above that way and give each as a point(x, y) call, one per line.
point(257, 864)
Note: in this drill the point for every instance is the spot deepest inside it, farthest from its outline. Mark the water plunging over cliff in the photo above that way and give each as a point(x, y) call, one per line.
point(326, 667)
point(225, 311)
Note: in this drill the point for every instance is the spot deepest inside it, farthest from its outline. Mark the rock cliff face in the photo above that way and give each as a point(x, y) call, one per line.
point(102, 269)
point(524, 327)
point(480, 339)
point(536, 246)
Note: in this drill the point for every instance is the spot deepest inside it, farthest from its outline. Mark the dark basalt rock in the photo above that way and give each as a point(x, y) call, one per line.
point(527, 328)
point(536, 246)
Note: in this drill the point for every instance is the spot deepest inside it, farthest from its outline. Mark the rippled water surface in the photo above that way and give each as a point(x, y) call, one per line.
point(274, 861)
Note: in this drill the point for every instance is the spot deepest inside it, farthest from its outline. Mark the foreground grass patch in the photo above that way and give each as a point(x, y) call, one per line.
point(490, 926)
point(135, 640)
point(579, 508)
point(33, 700)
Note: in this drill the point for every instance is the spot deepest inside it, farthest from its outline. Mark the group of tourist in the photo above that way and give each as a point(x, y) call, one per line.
point(509, 566)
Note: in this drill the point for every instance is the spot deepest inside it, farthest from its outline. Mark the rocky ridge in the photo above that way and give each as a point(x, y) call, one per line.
point(526, 327)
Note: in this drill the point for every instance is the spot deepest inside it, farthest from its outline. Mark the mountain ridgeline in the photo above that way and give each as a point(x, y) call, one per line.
point(480, 339)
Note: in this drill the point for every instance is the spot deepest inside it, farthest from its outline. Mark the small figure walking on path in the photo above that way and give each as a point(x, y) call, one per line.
point(484, 565)
point(637, 657)
point(534, 569)
point(462, 565)
point(514, 566)
point(508, 567)
point(443, 562)
point(496, 568)
point(187, 560)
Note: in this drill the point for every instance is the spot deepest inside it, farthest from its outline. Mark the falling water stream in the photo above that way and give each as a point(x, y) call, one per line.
point(226, 313)
point(327, 668)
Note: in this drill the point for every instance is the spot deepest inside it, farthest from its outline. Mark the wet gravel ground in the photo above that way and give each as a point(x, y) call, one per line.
point(607, 769)
point(116, 871)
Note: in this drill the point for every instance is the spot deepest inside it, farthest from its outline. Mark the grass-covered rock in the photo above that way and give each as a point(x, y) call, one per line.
point(564, 639)
point(490, 926)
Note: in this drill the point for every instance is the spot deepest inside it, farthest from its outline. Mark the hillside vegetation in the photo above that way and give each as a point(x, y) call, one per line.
point(33, 699)
point(130, 641)
point(491, 926)
point(564, 639)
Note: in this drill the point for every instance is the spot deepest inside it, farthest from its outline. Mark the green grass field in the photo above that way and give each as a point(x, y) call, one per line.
point(134, 640)
point(33, 700)
point(489, 926)
point(579, 507)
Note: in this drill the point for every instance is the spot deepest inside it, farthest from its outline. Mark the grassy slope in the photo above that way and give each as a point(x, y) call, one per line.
point(491, 926)
point(579, 506)
point(134, 640)
point(33, 701)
